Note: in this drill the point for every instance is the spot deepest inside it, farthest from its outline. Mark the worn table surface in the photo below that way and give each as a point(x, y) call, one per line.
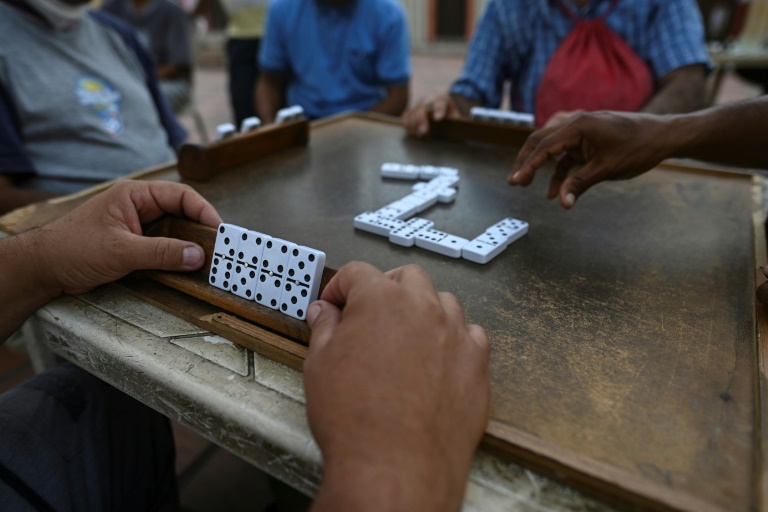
point(621, 331)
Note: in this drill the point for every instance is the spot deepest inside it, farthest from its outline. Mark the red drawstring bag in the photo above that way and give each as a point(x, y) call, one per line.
point(593, 69)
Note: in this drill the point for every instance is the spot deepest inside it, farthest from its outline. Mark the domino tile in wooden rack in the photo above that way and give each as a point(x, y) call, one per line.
point(276, 273)
point(502, 116)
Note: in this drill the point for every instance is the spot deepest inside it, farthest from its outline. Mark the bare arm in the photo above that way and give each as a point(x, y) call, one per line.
point(680, 91)
point(12, 197)
point(96, 243)
point(601, 146)
point(269, 95)
point(381, 451)
point(170, 70)
point(416, 119)
point(395, 102)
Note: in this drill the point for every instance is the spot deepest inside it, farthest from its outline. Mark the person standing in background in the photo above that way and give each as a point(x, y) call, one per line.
point(245, 29)
point(163, 28)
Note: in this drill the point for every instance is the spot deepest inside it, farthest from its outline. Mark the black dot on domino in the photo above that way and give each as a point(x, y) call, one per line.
point(273, 302)
point(214, 270)
point(258, 241)
point(213, 279)
point(291, 272)
point(226, 275)
point(300, 312)
point(295, 252)
point(269, 244)
point(294, 300)
point(284, 249)
point(248, 293)
point(215, 261)
point(303, 293)
point(258, 296)
point(221, 229)
point(306, 277)
point(245, 236)
point(234, 287)
point(311, 257)
point(280, 268)
point(229, 265)
point(301, 265)
point(226, 284)
point(226, 240)
point(262, 278)
point(240, 255)
point(252, 274)
point(284, 307)
point(266, 264)
point(288, 287)
point(277, 283)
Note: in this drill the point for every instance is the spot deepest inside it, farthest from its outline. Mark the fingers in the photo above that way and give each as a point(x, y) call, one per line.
point(578, 183)
point(157, 198)
point(346, 279)
point(542, 146)
point(440, 108)
point(322, 317)
point(416, 120)
point(413, 277)
point(161, 254)
point(480, 338)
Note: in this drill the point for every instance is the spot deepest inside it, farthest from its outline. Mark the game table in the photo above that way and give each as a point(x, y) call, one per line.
point(626, 358)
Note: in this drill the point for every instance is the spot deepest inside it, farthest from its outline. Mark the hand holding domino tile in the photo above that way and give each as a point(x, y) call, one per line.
point(393, 362)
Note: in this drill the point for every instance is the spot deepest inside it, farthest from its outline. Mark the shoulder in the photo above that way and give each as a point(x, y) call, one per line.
point(112, 23)
point(170, 8)
point(389, 8)
point(281, 9)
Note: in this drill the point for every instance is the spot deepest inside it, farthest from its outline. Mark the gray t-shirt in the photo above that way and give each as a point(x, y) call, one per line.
point(81, 101)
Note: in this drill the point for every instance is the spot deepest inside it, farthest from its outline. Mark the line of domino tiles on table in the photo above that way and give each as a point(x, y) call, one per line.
point(276, 273)
point(391, 220)
point(502, 116)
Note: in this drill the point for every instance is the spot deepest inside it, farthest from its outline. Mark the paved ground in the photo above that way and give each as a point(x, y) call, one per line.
point(210, 478)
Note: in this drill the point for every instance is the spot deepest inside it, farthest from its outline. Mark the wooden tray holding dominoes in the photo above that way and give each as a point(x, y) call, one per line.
point(624, 355)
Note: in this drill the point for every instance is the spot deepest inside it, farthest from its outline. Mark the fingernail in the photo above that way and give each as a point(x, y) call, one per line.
point(570, 199)
point(193, 256)
point(514, 176)
point(312, 312)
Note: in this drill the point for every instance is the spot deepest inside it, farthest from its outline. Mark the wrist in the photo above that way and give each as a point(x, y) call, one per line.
point(678, 135)
point(386, 479)
point(36, 270)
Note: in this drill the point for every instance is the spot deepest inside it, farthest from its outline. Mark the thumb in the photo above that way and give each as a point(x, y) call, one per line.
point(439, 110)
point(323, 318)
point(578, 183)
point(164, 254)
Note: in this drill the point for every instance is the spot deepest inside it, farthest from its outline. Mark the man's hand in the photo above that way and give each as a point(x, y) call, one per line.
point(101, 241)
point(590, 148)
point(416, 118)
point(397, 391)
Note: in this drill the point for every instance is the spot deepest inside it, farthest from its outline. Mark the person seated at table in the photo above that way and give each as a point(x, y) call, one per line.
point(164, 30)
point(562, 56)
point(607, 146)
point(70, 442)
point(330, 56)
point(79, 102)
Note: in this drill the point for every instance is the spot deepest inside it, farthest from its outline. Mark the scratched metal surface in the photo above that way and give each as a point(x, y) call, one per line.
point(621, 330)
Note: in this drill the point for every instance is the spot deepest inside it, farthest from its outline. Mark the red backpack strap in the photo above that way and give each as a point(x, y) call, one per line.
point(576, 19)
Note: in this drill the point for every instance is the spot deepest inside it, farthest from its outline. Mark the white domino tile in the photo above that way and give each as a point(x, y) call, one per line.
point(222, 272)
point(249, 124)
point(225, 131)
point(289, 114)
point(427, 172)
point(400, 171)
point(272, 272)
point(227, 240)
point(502, 116)
point(373, 223)
point(440, 242)
point(494, 240)
point(302, 283)
point(251, 247)
point(244, 280)
point(447, 195)
point(405, 235)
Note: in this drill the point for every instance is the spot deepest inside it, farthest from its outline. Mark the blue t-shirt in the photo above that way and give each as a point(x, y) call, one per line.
point(515, 39)
point(336, 58)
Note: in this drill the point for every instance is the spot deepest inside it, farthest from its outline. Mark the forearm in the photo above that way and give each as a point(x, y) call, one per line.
point(12, 197)
point(680, 92)
point(22, 287)
point(364, 487)
point(395, 102)
point(464, 104)
point(732, 134)
point(269, 99)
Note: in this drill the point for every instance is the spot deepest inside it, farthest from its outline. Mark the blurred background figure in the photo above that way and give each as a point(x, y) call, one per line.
point(331, 56)
point(245, 28)
point(163, 28)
